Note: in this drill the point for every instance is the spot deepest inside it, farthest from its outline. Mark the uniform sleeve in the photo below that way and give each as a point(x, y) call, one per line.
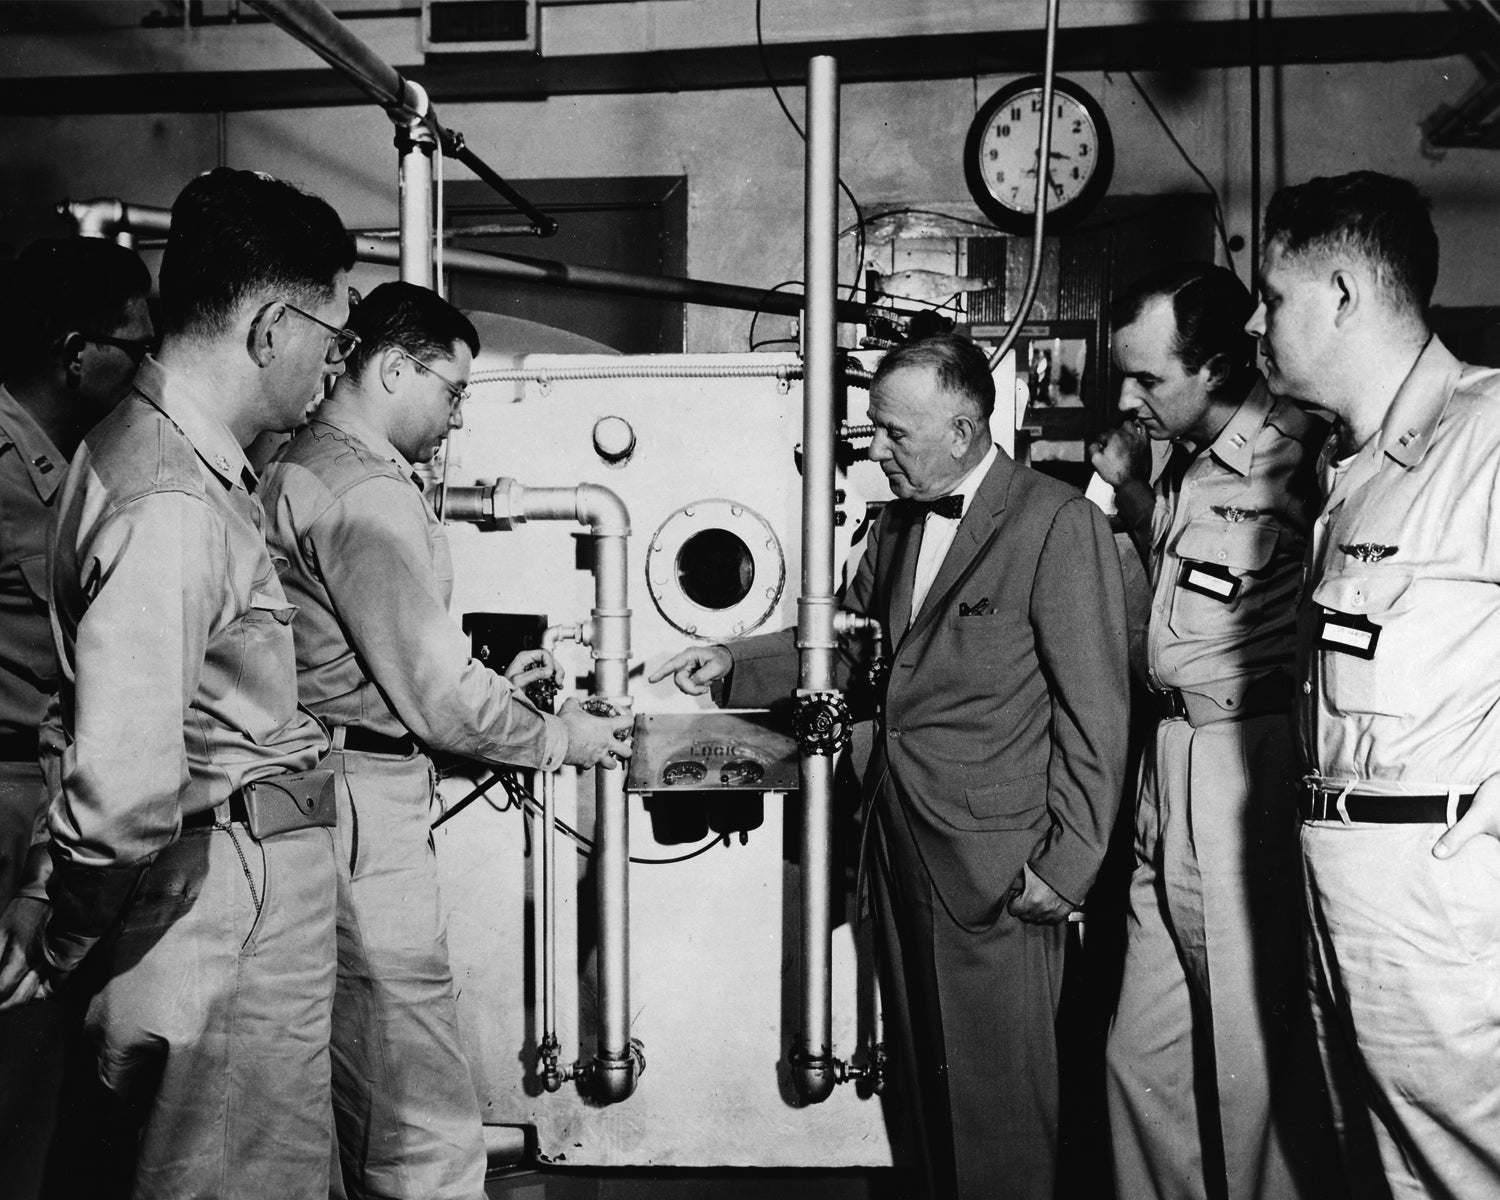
point(153, 579)
point(1078, 615)
point(371, 551)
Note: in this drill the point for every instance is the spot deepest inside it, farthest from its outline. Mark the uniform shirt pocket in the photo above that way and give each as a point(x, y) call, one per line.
point(33, 570)
point(1238, 548)
point(1383, 683)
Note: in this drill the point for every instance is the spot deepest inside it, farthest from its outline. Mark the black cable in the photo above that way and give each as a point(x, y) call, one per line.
point(1212, 191)
point(859, 215)
point(755, 316)
point(519, 796)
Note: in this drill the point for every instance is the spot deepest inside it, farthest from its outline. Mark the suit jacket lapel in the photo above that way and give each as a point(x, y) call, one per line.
point(974, 532)
point(903, 575)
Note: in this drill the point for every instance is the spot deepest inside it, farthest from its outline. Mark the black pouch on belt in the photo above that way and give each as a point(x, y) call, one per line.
point(282, 803)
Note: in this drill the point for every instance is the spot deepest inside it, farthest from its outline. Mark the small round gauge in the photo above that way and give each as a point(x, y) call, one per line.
point(1000, 155)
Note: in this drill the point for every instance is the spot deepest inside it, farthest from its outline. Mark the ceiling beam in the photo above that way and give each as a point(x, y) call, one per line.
point(1147, 46)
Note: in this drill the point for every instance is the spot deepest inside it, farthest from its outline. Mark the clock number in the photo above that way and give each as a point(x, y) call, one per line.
point(1036, 104)
point(1083, 150)
point(1077, 126)
point(1075, 173)
point(1015, 112)
point(1003, 130)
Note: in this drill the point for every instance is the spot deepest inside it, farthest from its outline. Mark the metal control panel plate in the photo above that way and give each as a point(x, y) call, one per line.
point(733, 750)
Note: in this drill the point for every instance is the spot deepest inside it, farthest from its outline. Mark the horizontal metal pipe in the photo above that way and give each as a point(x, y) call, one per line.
point(105, 216)
point(316, 27)
point(623, 283)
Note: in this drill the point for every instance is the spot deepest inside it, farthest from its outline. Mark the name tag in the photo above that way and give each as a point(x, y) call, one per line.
point(1208, 580)
point(1348, 635)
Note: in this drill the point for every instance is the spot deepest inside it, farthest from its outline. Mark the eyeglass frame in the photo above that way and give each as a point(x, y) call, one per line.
point(336, 334)
point(136, 348)
point(459, 392)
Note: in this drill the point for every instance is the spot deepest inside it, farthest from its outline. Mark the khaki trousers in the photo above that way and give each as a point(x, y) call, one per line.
point(1407, 982)
point(209, 1005)
point(1212, 1082)
point(408, 1119)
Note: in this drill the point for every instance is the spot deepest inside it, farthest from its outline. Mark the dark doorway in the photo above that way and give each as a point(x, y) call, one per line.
point(632, 223)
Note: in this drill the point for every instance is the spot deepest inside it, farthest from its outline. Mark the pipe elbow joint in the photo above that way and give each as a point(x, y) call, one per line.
point(94, 218)
point(614, 1076)
point(813, 1078)
point(603, 511)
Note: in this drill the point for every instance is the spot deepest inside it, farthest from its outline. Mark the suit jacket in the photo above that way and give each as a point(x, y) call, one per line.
point(1006, 712)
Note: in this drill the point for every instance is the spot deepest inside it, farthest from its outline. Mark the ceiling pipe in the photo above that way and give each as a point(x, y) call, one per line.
point(107, 216)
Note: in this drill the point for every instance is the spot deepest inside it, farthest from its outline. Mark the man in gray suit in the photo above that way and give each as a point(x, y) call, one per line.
point(997, 770)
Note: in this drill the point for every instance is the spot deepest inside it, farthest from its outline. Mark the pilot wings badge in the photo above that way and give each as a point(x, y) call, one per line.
point(1235, 515)
point(1368, 552)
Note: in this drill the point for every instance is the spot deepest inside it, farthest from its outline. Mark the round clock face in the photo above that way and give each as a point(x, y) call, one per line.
point(1000, 158)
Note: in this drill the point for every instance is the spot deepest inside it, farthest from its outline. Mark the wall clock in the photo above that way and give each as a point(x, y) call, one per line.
point(1000, 155)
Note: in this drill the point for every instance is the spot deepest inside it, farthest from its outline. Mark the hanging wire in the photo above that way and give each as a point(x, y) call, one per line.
point(519, 796)
point(755, 316)
point(859, 216)
point(1192, 166)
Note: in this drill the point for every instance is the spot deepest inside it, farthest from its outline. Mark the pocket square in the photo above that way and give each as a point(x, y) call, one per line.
point(979, 608)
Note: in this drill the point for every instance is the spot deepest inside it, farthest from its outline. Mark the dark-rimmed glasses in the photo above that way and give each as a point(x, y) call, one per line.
point(341, 342)
point(136, 348)
point(458, 392)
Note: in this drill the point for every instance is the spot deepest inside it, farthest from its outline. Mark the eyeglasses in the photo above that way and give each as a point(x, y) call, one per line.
point(136, 348)
point(341, 343)
point(459, 392)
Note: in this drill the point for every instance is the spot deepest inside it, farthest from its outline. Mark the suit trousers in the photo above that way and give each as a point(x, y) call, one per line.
point(32, 1036)
point(408, 1119)
point(972, 1015)
point(208, 1005)
point(1211, 1078)
point(1406, 979)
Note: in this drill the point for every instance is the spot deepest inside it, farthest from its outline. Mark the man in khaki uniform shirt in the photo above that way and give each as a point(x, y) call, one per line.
point(1211, 1002)
point(1399, 686)
point(76, 328)
point(193, 873)
point(382, 661)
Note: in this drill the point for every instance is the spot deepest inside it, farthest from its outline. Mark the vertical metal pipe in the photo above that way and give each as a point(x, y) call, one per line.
point(415, 145)
point(616, 1062)
point(1254, 150)
point(814, 1071)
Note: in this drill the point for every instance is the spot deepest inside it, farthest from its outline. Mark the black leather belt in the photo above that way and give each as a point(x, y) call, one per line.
point(367, 741)
point(1168, 704)
point(1264, 696)
point(206, 818)
point(1362, 808)
point(18, 747)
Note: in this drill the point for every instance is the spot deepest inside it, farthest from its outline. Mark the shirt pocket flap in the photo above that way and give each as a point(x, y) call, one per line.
point(1363, 591)
point(273, 606)
point(34, 571)
point(1238, 545)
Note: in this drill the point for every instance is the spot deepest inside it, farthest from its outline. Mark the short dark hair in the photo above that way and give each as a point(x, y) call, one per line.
point(57, 286)
point(240, 234)
point(960, 366)
point(408, 317)
point(1210, 306)
point(1384, 220)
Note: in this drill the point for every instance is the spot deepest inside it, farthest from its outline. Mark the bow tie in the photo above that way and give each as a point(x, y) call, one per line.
point(951, 507)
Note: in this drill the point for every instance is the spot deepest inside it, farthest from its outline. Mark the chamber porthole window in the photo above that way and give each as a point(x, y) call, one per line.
point(715, 569)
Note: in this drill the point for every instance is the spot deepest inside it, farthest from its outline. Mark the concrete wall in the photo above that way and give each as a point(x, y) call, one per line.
point(901, 145)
